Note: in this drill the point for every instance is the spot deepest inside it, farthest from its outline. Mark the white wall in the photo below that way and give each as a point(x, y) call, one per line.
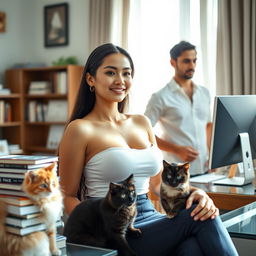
point(23, 40)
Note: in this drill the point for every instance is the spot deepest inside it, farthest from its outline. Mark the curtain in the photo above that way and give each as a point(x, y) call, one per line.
point(236, 47)
point(208, 35)
point(99, 28)
point(108, 22)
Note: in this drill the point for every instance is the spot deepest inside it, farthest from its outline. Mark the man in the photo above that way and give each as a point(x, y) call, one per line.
point(182, 109)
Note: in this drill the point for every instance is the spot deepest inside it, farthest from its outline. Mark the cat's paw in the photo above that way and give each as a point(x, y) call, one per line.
point(56, 252)
point(171, 215)
point(135, 232)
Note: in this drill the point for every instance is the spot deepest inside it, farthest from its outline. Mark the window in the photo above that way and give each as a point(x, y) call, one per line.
point(157, 25)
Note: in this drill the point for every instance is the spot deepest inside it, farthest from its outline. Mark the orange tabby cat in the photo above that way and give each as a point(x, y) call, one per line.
point(42, 187)
point(35, 244)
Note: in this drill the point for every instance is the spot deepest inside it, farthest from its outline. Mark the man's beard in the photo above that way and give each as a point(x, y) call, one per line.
point(188, 76)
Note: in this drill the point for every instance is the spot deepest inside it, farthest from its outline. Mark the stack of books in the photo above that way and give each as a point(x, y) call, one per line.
point(4, 90)
point(40, 87)
point(23, 215)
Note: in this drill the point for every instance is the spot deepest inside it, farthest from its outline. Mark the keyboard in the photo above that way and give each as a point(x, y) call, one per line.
point(207, 178)
point(235, 181)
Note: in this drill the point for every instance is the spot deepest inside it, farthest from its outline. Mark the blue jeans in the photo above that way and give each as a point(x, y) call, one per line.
point(162, 236)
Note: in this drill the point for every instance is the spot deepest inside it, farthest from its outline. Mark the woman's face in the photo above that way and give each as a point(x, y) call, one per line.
point(113, 78)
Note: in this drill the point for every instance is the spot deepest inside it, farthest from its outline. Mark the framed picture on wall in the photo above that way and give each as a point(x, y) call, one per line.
point(56, 25)
point(2, 22)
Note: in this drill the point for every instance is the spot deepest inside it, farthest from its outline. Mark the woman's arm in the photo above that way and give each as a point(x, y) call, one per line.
point(205, 208)
point(71, 163)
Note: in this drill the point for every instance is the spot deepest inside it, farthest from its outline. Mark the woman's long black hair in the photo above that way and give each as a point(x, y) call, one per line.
point(86, 99)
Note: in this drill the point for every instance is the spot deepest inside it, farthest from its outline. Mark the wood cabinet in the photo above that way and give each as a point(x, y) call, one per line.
point(32, 136)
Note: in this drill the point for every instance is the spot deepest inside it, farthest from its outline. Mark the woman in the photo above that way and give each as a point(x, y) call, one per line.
point(101, 139)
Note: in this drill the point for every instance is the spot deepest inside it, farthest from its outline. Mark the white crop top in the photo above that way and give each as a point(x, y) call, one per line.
point(116, 164)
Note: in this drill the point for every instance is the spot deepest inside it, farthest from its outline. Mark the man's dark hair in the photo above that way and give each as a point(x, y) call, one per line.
point(179, 48)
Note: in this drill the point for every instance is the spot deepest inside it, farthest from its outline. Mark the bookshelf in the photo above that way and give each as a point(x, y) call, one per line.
point(19, 129)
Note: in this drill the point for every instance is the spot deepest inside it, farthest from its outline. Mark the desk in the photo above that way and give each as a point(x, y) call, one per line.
point(241, 225)
point(229, 197)
point(81, 250)
point(224, 197)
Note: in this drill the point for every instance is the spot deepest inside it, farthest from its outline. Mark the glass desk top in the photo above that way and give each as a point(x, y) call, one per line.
point(241, 222)
point(248, 189)
point(79, 250)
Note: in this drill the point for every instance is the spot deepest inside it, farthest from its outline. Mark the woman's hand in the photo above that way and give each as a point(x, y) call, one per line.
point(205, 208)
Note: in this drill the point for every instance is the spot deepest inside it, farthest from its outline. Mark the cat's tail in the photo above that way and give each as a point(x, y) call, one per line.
point(3, 213)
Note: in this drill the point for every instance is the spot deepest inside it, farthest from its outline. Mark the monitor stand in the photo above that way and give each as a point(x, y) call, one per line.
point(248, 173)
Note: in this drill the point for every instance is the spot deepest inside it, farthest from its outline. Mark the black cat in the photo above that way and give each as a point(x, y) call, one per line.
point(175, 187)
point(103, 222)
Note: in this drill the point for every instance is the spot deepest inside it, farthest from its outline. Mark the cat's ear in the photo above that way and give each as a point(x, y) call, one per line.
point(51, 167)
point(31, 176)
point(112, 186)
point(166, 164)
point(186, 167)
point(130, 179)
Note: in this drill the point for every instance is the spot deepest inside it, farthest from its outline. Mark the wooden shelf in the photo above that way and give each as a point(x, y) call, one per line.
point(10, 96)
point(32, 136)
point(10, 124)
point(45, 123)
point(41, 149)
point(46, 96)
point(47, 69)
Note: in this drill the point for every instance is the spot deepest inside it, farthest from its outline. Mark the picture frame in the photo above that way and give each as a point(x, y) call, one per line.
point(4, 150)
point(2, 22)
point(56, 29)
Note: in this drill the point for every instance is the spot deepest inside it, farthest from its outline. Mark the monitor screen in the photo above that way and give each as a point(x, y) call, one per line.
point(232, 115)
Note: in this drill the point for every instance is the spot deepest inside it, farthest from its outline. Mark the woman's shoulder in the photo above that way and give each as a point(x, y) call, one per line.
point(79, 126)
point(140, 119)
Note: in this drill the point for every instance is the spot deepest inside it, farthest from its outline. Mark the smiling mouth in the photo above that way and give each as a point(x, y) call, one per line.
point(118, 90)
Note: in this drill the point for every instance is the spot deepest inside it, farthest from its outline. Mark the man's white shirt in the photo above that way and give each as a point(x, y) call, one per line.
point(182, 121)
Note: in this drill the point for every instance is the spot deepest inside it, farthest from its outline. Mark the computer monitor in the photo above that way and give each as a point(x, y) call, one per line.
point(234, 136)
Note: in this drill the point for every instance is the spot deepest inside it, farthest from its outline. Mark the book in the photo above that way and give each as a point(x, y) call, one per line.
point(20, 168)
point(54, 136)
point(16, 200)
point(25, 217)
point(7, 112)
point(22, 223)
point(22, 210)
point(11, 186)
point(57, 111)
point(11, 175)
point(39, 87)
point(30, 229)
point(14, 149)
point(62, 82)
point(60, 241)
point(4, 150)
point(27, 159)
point(10, 180)
point(12, 192)
point(5, 91)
